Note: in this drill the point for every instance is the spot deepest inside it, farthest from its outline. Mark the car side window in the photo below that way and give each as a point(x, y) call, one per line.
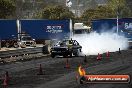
point(74, 43)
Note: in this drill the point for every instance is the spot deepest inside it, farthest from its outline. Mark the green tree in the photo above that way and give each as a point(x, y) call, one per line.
point(129, 4)
point(91, 4)
point(120, 7)
point(108, 11)
point(98, 13)
point(7, 8)
point(103, 12)
point(67, 15)
point(56, 12)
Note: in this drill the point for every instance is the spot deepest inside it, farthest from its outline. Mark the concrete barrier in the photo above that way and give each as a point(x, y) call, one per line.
point(45, 49)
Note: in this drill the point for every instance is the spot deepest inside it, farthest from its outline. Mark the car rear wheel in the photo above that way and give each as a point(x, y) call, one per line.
point(52, 55)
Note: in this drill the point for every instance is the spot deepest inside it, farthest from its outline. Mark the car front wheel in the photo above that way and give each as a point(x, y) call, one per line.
point(76, 53)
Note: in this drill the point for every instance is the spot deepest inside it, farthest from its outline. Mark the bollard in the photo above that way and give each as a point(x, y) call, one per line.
point(7, 75)
point(67, 65)
point(5, 81)
point(99, 57)
point(85, 59)
point(108, 54)
point(119, 51)
point(40, 70)
point(76, 77)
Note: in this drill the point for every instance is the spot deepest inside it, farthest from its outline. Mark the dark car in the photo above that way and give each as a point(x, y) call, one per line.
point(66, 48)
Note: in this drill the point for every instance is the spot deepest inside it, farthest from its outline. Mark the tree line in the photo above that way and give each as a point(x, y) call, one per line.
point(122, 8)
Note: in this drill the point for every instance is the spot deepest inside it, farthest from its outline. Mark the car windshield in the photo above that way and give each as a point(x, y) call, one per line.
point(26, 38)
point(66, 43)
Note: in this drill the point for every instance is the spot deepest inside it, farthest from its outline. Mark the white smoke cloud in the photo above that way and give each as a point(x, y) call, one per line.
point(95, 43)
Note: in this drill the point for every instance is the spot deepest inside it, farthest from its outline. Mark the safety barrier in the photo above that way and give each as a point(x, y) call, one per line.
point(21, 52)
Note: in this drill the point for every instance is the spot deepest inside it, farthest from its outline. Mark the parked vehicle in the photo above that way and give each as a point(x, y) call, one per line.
point(80, 28)
point(26, 40)
point(11, 37)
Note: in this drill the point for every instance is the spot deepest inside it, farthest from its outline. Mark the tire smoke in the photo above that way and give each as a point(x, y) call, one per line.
point(95, 43)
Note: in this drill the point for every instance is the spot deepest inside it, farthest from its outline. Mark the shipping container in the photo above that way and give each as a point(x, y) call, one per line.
point(8, 33)
point(38, 29)
point(8, 29)
point(104, 25)
point(46, 29)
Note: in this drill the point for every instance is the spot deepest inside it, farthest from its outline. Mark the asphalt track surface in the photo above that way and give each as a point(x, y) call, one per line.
point(55, 75)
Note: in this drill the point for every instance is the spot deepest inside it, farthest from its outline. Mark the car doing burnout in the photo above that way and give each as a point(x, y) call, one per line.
point(66, 48)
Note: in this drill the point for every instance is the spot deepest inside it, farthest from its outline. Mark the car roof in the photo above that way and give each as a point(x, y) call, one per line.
point(69, 40)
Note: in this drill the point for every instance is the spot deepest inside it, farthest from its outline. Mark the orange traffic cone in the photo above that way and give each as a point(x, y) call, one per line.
point(99, 57)
point(108, 54)
point(5, 82)
point(77, 77)
point(67, 64)
point(40, 70)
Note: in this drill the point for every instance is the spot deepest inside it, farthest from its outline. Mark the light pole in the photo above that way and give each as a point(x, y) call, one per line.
point(117, 18)
point(77, 8)
point(0, 43)
point(117, 23)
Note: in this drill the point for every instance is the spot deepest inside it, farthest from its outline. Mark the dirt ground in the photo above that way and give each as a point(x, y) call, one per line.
point(55, 75)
